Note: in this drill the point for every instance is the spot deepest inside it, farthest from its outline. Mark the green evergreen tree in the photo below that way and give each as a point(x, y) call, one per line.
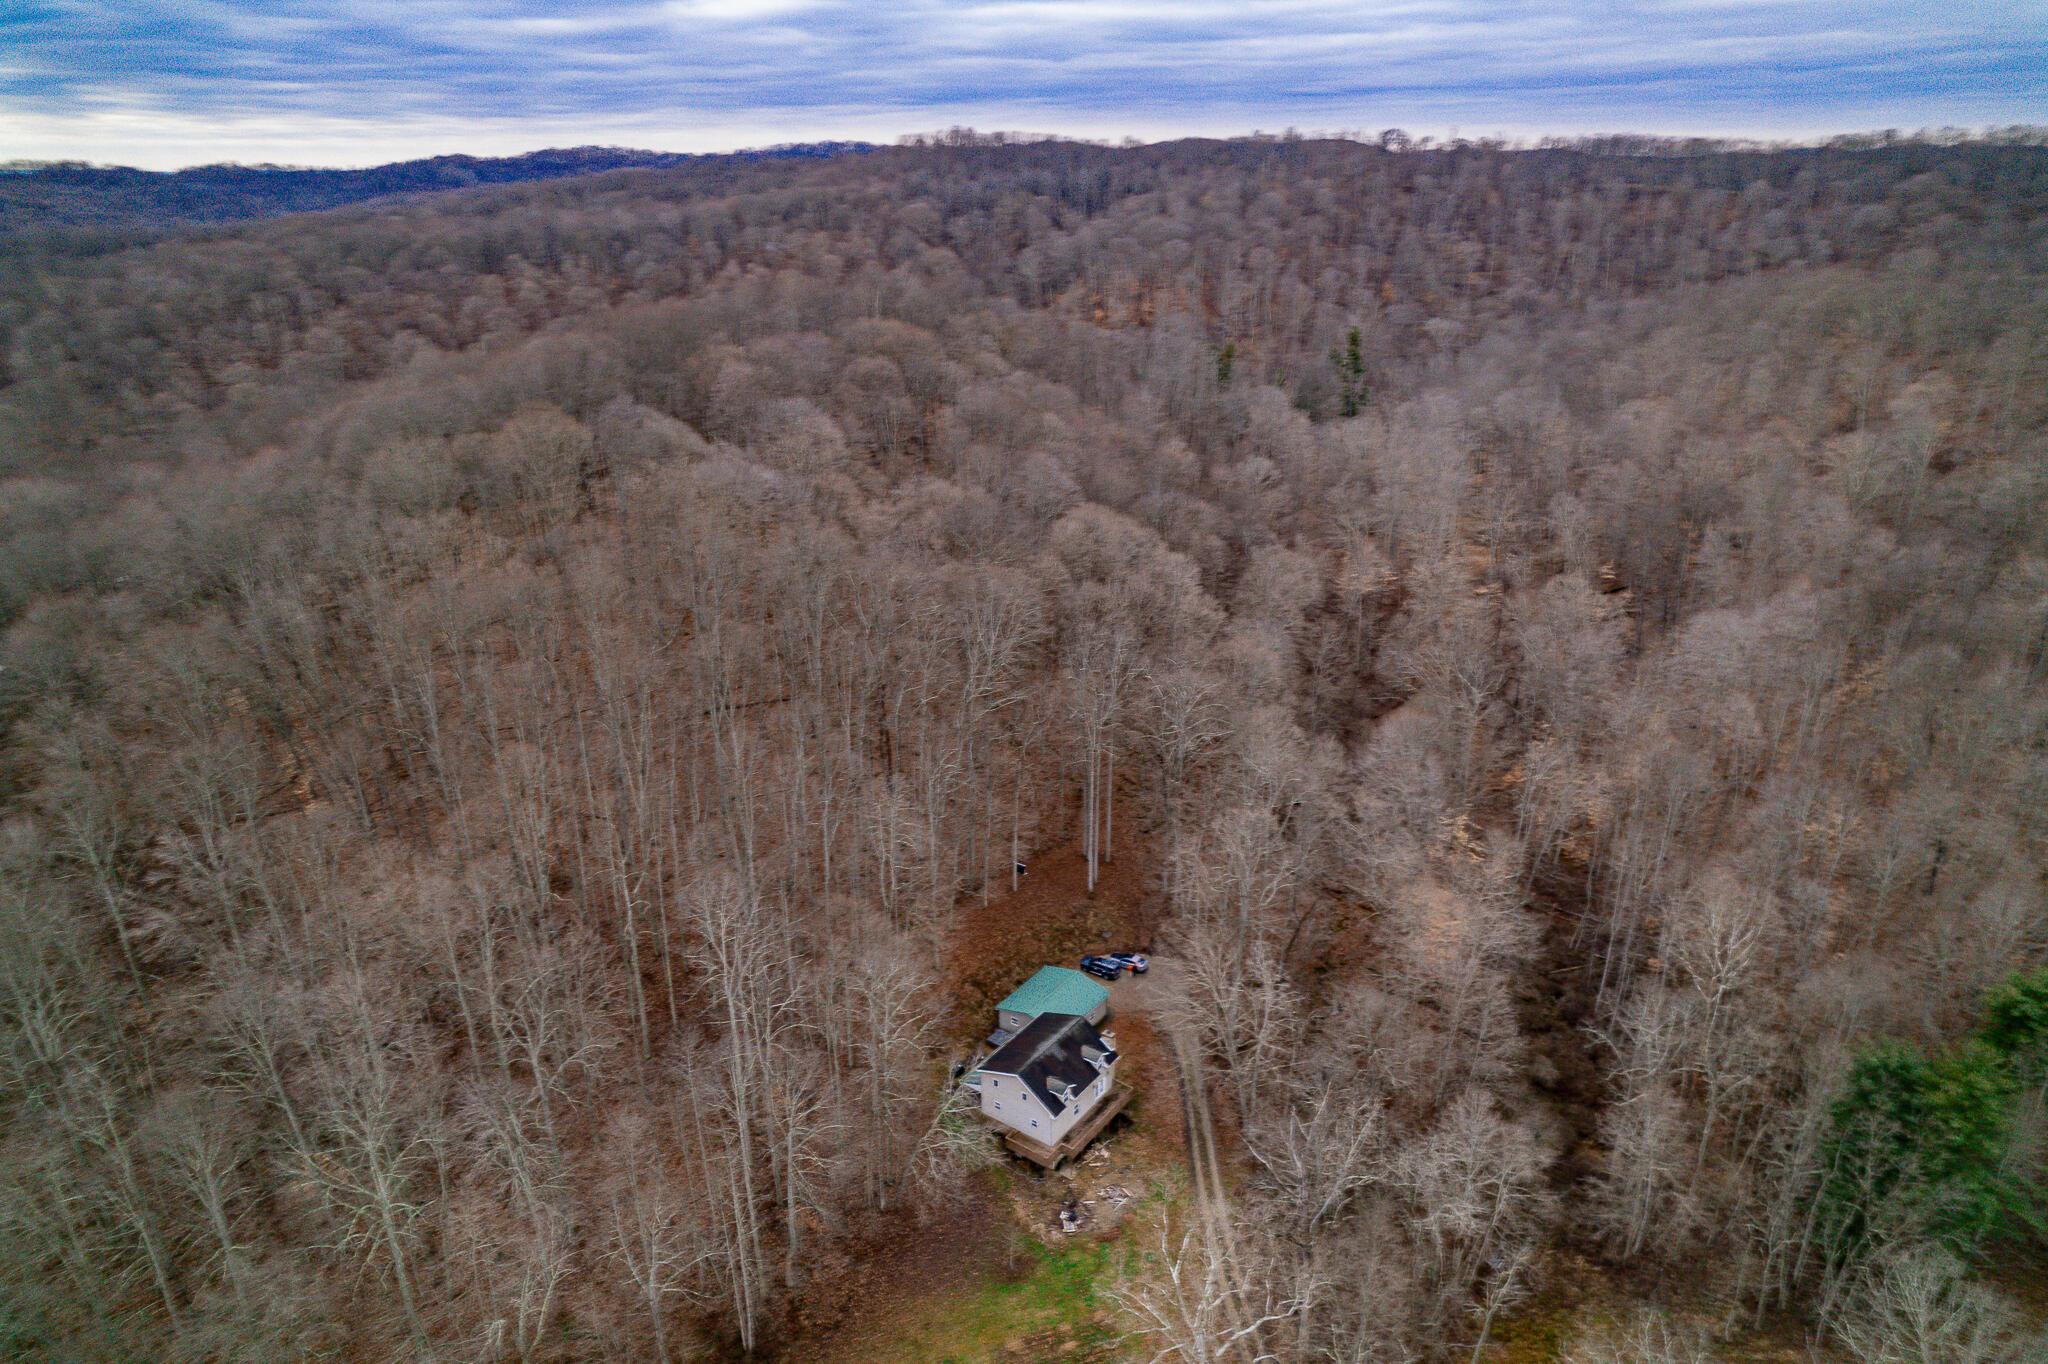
point(2016, 1024)
point(1350, 367)
point(1928, 1139)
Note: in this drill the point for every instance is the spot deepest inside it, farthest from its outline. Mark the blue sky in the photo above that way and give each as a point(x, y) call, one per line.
point(328, 83)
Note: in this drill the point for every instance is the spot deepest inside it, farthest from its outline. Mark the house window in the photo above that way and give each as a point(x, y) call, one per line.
point(1034, 1122)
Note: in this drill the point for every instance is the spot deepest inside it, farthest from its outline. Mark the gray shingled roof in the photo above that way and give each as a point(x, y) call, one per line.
point(1050, 1054)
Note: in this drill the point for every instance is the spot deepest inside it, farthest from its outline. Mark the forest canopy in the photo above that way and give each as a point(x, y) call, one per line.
point(509, 694)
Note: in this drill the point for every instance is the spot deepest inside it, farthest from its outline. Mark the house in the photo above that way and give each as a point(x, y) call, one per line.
point(1052, 1087)
point(1051, 990)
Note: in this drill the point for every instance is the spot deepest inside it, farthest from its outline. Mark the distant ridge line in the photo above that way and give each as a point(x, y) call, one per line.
point(58, 194)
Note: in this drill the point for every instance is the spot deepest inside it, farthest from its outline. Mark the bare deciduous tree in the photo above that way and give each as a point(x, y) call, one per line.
point(1198, 1302)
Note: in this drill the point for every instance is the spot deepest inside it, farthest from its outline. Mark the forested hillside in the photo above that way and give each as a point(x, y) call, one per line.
point(63, 194)
point(507, 696)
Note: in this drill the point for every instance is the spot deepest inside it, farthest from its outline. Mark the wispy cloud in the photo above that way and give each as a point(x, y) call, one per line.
point(165, 81)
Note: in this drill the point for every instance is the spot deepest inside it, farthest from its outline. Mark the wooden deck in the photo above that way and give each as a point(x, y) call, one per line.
point(1052, 1157)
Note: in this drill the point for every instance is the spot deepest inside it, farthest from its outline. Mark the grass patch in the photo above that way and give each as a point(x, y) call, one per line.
point(1538, 1338)
point(1056, 1307)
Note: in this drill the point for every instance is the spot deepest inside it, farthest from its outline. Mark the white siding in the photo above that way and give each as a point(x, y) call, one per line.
point(1010, 1102)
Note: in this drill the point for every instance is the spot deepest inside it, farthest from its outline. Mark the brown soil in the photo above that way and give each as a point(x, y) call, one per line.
point(850, 1303)
point(1554, 1004)
point(1155, 1111)
point(1051, 919)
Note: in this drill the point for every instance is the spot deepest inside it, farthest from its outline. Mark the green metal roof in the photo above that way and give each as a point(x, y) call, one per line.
point(1056, 990)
